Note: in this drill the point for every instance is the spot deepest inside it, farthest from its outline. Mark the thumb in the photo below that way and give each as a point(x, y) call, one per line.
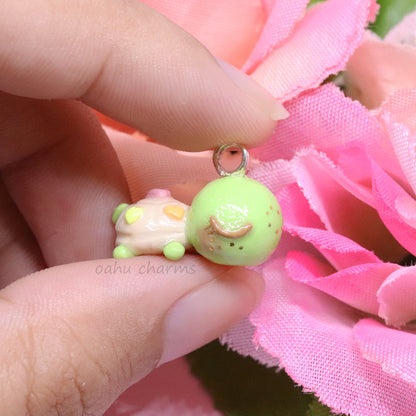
point(76, 336)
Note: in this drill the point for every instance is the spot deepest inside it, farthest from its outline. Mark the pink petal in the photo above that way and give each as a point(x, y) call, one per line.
point(308, 164)
point(339, 251)
point(404, 32)
point(320, 46)
point(312, 334)
point(344, 207)
point(399, 119)
point(406, 209)
point(280, 23)
point(374, 9)
point(228, 28)
point(275, 175)
point(296, 210)
point(356, 286)
point(327, 119)
point(395, 352)
point(354, 162)
point(170, 390)
point(377, 69)
point(397, 297)
point(387, 192)
point(400, 105)
point(268, 5)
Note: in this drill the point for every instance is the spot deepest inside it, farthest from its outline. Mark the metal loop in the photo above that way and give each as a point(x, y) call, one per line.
point(216, 157)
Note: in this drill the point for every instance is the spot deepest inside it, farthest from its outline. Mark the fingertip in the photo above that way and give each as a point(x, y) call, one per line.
point(250, 279)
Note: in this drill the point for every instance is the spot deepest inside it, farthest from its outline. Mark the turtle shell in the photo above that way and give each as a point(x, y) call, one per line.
point(148, 225)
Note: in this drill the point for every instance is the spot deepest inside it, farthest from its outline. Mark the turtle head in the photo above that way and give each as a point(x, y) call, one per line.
point(235, 220)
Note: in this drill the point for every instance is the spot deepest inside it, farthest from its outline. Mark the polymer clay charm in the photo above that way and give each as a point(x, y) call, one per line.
point(233, 220)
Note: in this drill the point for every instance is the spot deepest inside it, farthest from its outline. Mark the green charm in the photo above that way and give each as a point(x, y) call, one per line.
point(233, 220)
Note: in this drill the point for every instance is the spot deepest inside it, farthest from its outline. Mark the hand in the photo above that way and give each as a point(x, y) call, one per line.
point(74, 336)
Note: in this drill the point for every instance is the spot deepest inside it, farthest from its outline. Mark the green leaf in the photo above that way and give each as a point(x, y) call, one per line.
point(318, 409)
point(391, 12)
point(240, 386)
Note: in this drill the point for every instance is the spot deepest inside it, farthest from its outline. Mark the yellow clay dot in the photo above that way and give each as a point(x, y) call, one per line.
point(174, 211)
point(133, 214)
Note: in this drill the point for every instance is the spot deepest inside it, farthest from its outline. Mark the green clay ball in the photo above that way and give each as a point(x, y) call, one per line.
point(235, 220)
point(174, 250)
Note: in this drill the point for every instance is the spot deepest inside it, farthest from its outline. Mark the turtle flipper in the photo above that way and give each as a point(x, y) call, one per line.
point(117, 212)
point(122, 252)
point(174, 250)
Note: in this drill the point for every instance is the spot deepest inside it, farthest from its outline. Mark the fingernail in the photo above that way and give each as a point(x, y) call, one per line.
point(207, 312)
point(248, 85)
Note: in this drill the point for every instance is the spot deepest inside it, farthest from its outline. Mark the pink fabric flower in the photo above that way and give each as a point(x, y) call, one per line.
point(339, 308)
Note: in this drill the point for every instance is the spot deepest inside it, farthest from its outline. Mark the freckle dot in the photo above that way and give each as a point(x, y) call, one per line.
point(271, 207)
point(270, 225)
point(277, 231)
point(267, 212)
point(231, 244)
point(240, 248)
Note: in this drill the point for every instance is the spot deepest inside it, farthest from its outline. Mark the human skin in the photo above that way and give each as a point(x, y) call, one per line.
point(74, 336)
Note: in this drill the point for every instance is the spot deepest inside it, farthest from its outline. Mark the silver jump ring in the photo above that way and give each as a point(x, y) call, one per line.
point(216, 157)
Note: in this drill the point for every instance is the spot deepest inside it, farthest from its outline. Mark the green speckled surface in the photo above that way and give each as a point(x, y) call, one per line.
point(235, 201)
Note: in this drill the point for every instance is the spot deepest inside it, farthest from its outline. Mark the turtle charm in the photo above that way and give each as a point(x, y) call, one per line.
point(233, 220)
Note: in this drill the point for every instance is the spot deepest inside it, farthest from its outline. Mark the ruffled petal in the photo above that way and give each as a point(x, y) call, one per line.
point(356, 286)
point(395, 352)
point(344, 207)
point(377, 69)
point(339, 251)
point(280, 23)
point(327, 119)
point(406, 208)
point(319, 46)
point(404, 32)
point(275, 175)
point(296, 210)
point(397, 297)
point(399, 119)
point(387, 193)
point(400, 105)
point(312, 334)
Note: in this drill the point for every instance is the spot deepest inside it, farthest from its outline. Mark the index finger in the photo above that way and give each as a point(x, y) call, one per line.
point(131, 63)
